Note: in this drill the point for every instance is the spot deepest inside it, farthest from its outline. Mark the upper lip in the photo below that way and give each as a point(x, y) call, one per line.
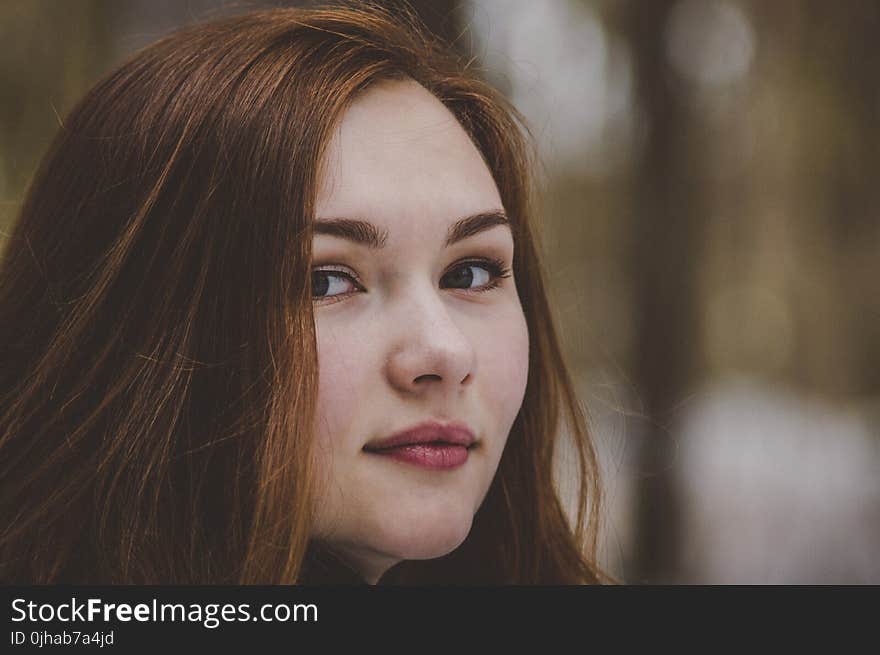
point(427, 432)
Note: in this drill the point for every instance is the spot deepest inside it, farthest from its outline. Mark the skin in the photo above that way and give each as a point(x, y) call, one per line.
point(406, 342)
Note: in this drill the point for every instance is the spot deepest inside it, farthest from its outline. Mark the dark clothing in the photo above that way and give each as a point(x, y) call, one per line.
point(322, 566)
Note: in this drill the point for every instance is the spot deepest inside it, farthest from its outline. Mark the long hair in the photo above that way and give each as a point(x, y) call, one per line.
point(157, 340)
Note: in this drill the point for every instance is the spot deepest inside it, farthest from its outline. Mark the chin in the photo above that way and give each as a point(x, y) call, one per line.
point(425, 536)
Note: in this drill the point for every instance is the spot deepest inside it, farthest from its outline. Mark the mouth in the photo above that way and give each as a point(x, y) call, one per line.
point(430, 445)
point(435, 455)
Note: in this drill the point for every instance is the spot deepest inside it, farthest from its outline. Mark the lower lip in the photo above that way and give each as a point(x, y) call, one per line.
point(430, 456)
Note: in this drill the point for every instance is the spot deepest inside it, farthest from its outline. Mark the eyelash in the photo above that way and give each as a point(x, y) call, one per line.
point(496, 268)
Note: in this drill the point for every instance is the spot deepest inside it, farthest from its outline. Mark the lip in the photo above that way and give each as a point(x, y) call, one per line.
point(431, 444)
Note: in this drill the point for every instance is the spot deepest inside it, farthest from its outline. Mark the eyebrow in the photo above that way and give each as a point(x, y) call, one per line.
point(365, 233)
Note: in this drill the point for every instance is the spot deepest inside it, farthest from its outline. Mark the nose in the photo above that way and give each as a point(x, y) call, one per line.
point(429, 348)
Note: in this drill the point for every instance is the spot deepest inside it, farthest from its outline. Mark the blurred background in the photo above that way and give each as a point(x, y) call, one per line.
point(712, 232)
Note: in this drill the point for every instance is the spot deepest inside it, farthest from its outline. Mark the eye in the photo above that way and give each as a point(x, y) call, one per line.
point(487, 273)
point(332, 283)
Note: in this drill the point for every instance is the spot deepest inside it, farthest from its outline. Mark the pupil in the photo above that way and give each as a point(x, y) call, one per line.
point(465, 275)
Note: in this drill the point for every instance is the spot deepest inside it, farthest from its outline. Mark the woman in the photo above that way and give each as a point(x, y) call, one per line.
point(245, 204)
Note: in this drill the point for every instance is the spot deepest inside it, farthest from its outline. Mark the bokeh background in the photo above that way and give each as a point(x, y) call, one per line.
point(711, 213)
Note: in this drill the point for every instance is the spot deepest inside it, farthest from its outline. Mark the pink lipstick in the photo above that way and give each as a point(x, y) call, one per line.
point(431, 445)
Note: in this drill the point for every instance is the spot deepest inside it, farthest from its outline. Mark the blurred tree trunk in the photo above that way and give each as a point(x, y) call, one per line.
point(667, 238)
point(853, 212)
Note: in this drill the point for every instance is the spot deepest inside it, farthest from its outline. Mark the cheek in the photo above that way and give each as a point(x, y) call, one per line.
point(506, 365)
point(338, 360)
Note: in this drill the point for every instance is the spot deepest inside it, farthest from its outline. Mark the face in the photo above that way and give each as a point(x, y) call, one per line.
point(418, 323)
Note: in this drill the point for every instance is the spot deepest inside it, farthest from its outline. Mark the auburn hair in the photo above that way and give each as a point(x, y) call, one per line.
point(159, 366)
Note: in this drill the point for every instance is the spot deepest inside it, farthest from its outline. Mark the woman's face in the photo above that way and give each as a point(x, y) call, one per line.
point(415, 325)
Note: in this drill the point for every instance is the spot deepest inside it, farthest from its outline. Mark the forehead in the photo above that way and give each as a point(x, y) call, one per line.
point(399, 157)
